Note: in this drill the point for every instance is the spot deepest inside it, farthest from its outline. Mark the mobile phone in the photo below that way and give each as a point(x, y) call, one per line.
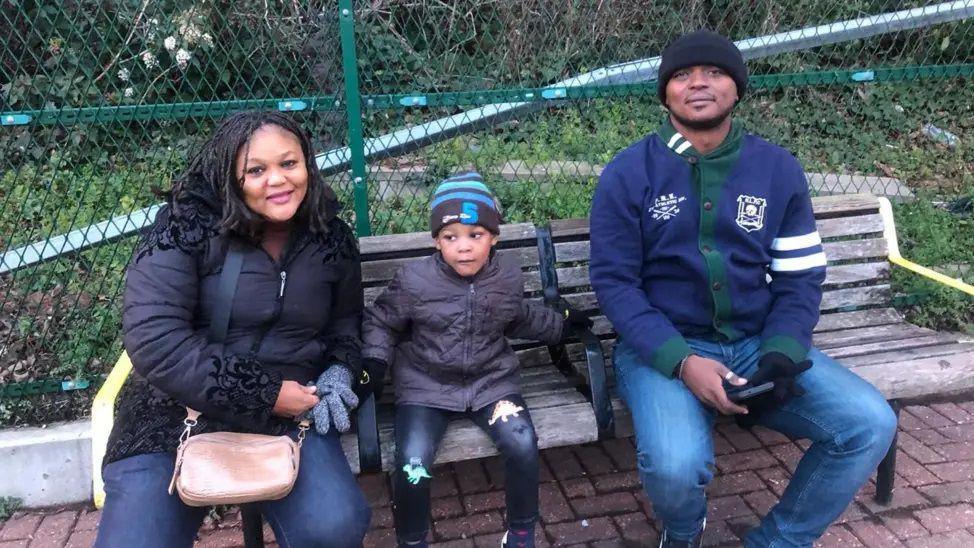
point(749, 392)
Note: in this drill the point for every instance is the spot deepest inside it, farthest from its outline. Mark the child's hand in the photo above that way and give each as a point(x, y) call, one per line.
point(337, 400)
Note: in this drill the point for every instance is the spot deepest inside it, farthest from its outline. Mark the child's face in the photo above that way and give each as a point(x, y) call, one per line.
point(465, 248)
point(275, 176)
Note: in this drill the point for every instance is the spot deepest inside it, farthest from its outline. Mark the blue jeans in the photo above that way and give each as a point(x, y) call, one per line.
point(326, 507)
point(847, 420)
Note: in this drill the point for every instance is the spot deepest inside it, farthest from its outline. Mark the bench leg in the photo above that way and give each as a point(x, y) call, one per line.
point(253, 526)
point(886, 472)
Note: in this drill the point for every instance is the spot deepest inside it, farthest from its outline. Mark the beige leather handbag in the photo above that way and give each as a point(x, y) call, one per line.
point(234, 468)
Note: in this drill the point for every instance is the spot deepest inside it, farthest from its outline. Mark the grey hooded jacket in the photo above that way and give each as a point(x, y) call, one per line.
point(444, 335)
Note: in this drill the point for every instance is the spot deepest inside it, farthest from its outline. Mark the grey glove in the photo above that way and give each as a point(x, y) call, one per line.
point(336, 400)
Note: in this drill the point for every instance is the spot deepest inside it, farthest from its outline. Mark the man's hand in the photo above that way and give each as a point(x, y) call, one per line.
point(705, 378)
point(294, 399)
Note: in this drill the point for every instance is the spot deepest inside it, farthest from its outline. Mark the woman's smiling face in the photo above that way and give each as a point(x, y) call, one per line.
point(273, 173)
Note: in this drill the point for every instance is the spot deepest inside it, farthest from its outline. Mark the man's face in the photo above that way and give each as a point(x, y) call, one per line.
point(701, 97)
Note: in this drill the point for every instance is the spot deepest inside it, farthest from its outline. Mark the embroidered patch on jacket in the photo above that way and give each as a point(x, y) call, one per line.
point(666, 206)
point(503, 410)
point(750, 212)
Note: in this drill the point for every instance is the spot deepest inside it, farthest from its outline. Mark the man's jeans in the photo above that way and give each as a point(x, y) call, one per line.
point(325, 508)
point(847, 420)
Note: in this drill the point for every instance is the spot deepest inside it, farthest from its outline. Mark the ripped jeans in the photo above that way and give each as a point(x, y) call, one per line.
point(419, 431)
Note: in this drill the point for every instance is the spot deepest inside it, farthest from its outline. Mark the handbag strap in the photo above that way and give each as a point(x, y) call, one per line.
point(226, 290)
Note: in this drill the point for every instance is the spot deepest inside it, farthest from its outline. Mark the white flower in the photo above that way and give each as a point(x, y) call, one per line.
point(129, 92)
point(149, 60)
point(183, 57)
point(191, 33)
point(208, 40)
point(170, 43)
point(123, 74)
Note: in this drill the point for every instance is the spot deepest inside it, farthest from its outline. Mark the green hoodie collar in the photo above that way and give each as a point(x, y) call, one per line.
point(675, 141)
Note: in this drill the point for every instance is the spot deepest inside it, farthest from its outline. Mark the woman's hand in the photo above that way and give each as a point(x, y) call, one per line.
point(294, 399)
point(705, 378)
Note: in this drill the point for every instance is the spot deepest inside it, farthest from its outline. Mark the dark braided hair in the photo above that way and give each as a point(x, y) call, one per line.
point(212, 175)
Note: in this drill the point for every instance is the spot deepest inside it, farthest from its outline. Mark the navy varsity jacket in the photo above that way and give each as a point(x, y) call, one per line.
point(719, 246)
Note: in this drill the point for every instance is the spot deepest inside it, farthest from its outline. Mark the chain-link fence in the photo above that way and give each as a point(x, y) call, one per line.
point(101, 103)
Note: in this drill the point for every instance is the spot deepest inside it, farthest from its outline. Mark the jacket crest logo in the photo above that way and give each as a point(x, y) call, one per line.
point(666, 206)
point(750, 212)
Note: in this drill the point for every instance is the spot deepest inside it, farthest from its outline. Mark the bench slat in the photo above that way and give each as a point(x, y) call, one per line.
point(908, 377)
point(910, 353)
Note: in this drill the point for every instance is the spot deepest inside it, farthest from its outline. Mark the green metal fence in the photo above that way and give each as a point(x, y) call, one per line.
point(100, 102)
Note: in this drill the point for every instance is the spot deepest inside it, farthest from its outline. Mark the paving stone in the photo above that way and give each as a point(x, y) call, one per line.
point(588, 530)
point(483, 502)
point(917, 449)
point(741, 439)
point(14, 543)
point(220, 538)
point(928, 416)
point(853, 512)
point(903, 497)
point(579, 487)
point(909, 422)
point(949, 493)
point(789, 454)
point(644, 503)
point(735, 483)
point(913, 472)
point(958, 432)
point(616, 482)
point(873, 533)
point(724, 508)
point(468, 526)
point(594, 459)
point(904, 526)
point(761, 501)
point(446, 507)
point(953, 412)
point(461, 543)
point(471, 476)
point(721, 445)
point(54, 529)
point(443, 483)
point(21, 525)
point(745, 460)
point(636, 527)
point(776, 478)
point(553, 506)
point(962, 450)
point(375, 488)
point(380, 538)
point(770, 437)
point(612, 503)
point(82, 539)
point(954, 539)
point(719, 533)
point(930, 437)
point(953, 471)
point(837, 536)
point(563, 463)
point(946, 518)
point(381, 518)
point(622, 452)
point(88, 520)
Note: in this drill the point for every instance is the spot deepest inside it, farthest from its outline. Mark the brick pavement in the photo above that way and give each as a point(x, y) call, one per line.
point(590, 495)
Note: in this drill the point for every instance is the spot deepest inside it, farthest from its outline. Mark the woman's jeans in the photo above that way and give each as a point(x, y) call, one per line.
point(419, 431)
point(847, 420)
point(326, 507)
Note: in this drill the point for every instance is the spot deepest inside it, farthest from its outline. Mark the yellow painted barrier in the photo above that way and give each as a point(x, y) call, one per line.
point(889, 232)
point(102, 419)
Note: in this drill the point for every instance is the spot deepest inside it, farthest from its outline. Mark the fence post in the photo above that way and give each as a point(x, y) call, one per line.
point(353, 111)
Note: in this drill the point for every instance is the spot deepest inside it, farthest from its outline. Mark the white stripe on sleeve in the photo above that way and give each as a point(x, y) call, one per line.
point(684, 146)
point(792, 243)
point(676, 137)
point(798, 263)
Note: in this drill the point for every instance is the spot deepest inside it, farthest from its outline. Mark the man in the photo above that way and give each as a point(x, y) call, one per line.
point(688, 227)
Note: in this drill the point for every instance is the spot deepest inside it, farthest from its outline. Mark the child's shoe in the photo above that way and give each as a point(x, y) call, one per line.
point(518, 539)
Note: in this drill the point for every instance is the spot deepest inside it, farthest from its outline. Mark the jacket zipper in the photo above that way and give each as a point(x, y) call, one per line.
point(466, 345)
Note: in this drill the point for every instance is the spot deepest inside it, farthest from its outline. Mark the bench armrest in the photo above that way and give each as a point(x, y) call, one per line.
point(367, 425)
point(889, 232)
point(594, 357)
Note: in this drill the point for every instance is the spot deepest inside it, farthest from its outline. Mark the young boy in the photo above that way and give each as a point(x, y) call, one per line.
point(442, 323)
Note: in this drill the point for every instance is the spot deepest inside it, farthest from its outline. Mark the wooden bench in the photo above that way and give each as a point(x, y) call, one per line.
point(858, 325)
point(561, 413)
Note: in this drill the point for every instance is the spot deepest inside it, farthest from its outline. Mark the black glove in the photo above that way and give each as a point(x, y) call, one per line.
point(371, 380)
point(780, 369)
point(574, 320)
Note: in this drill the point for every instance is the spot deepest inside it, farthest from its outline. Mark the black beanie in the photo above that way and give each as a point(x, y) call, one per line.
point(703, 47)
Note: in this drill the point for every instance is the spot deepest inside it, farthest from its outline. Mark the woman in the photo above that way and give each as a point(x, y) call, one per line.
point(295, 315)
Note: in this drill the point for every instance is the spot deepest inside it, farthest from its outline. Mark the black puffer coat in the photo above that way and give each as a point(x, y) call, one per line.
point(290, 320)
point(444, 335)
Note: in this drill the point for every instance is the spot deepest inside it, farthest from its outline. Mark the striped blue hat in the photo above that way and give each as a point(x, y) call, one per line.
point(464, 198)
